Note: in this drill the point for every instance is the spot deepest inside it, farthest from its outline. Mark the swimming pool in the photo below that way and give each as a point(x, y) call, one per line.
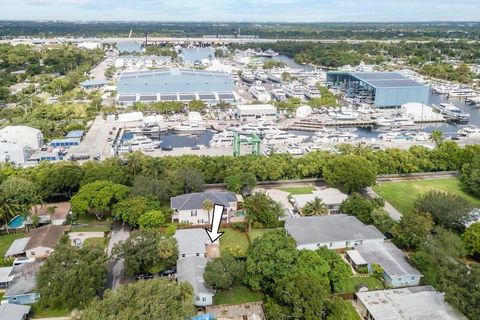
point(17, 222)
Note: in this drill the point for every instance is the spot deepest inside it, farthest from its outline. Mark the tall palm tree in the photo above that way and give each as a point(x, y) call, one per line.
point(135, 163)
point(316, 207)
point(208, 205)
point(8, 210)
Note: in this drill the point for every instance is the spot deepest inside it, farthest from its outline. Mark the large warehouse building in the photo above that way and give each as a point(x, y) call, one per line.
point(387, 89)
point(174, 85)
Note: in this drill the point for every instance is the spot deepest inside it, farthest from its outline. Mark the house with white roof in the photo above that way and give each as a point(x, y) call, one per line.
point(337, 231)
point(412, 303)
point(398, 272)
point(191, 269)
point(331, 197)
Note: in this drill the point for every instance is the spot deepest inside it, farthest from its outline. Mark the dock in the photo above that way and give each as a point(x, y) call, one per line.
point(315, 125)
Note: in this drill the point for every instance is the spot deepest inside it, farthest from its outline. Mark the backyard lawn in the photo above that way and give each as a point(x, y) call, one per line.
point(234, 241)
point(255, 233)
point(100, 243)
point(298, 190)
point(372, 283)
point(236, 295)
point(6, 240)
point(402, 195)
point(39, 312)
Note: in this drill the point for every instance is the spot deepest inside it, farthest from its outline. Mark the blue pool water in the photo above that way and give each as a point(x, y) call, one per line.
point(16, 222)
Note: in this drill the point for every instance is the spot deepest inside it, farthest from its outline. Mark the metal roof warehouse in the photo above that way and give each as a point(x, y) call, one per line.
point(390, 89)
point(174, 85)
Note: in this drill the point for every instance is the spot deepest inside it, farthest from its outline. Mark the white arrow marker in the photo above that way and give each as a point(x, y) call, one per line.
point(213, 233)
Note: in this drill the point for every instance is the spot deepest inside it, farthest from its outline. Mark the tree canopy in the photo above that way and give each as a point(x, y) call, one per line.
point(130, 210)
point(350, 173)
point(224, 272)
point(261, 208)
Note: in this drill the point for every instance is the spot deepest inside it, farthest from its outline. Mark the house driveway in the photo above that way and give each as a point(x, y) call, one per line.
point(85, 235)
point(115, 268)
point(278, 195)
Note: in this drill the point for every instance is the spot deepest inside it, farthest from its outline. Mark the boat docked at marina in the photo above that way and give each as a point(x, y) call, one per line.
point(247, 76)
point(452, 113)
point(394, 122)
point(258, 128)
point(312, 92)
point(189, 127)
point(279, 94)
point(284, 137)
point(469, 132)
point(294, 91)
point(260, 93)
point(138, 143)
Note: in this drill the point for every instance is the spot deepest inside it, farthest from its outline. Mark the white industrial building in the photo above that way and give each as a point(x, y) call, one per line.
point(22, 135)
point(13, 153)
point(90, 45)
point(130, 117)
point(248, 112)
point(420, 112)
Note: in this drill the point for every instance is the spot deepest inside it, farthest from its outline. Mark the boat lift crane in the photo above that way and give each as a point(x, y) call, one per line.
point(254, 140)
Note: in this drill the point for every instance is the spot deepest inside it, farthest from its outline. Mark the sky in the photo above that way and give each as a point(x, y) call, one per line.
point(243, 10)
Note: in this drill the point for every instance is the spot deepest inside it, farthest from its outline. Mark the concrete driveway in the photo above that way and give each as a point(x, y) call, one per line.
point(115, 268)
point(277, 195)
point(85, 235)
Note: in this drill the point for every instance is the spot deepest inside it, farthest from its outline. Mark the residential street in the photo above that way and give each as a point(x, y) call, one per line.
point(115, 269)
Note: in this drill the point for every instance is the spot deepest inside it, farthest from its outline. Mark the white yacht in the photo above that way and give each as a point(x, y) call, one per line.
point(469, 132)
point(248, 76)
point(295, 151)
point(257, 128)
point(284, 137)
point(344, 115)
point(275, 77)
point(189, 127)
point(261, 76)
point(461, 92)
point(451, 112)
point(260, 93)
point(294, 91)
point(222, 139)
point(279, 94)
point(311, 92)
point(333, 136)
point(138, 143)
point(394, 122)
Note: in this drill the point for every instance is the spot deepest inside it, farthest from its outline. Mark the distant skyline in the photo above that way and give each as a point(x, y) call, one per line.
point(243, 10)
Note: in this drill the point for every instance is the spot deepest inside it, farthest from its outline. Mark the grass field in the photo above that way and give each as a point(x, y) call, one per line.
point(6, 241)
point(402, 195)
point(96, 242)
point(101, 228)
point(372, 283)
point(234, 241)
point(298, 190)
point(236, 295)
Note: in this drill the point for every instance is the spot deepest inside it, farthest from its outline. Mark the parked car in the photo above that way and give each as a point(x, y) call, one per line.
point(195, 148)
point(143, 276)
point(167, 272)
point(167, 148)
point(77, 242)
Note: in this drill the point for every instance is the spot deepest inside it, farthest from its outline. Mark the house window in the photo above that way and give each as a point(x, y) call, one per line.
point(193, 213)
point(183, 255)
point(204, 299)
point(32, 253)
point(330, 244)
point(197, 298)
point(198, 254)
point(14, 299)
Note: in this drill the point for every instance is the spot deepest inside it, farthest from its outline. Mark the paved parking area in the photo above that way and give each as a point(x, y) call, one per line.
point(85, 235)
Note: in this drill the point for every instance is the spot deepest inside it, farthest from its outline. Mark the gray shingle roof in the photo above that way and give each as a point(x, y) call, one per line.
point(389, 257)
point(331, 228)
point(17, 247)
point(192, 201)
point(191, 241)
point(6, 274)
point(191, 270)
point(13, 311)
point(25, 279)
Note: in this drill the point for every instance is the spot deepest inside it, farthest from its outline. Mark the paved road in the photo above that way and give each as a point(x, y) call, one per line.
point(95, 141)
point(392, 212)
point(115, 268)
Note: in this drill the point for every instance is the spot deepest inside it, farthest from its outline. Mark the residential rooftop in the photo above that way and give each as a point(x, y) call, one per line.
point(46, 236)
point(191, 241)
point(25, 279)
point(389, 257)
point(17, 247)
point(10, 311)
point(192, 201)
point(330, 228)
point(412, 303)
point(191, 269)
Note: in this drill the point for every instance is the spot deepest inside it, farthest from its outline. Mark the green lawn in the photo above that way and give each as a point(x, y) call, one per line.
point(96, 242)
point(39, 312)
point(298, 190)
point(372, 283)
point(236, 295)
point(234, 241)
point(91, 228)
point(402, 195)
point(255, 233)
point(351, 312)
point(6, 240)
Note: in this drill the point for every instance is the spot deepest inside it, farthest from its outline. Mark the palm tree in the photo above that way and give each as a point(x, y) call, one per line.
point(316, 207)
point(134, 164)
point(207, 205)
point(437, 137)
point(8, 210)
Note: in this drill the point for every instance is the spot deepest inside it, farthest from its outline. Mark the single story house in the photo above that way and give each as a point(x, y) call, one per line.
point(188, 208)
point(22, 288)
point(194, 243)
point(43, 241)
point(191, 269)
point(10, 311)
point(17, 248)
point(331, 197)
point(57, 215)
point(412, 303)
point(398, 272)
point(6, 277)
point(337, 231)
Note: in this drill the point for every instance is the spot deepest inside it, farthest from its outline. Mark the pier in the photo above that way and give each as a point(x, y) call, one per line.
point(315, 125)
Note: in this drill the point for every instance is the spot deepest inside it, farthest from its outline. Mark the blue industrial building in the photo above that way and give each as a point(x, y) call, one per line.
point(67, 142)
point(93, 84)
point(174, 85)
point(387, 89)
point(75, 134)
